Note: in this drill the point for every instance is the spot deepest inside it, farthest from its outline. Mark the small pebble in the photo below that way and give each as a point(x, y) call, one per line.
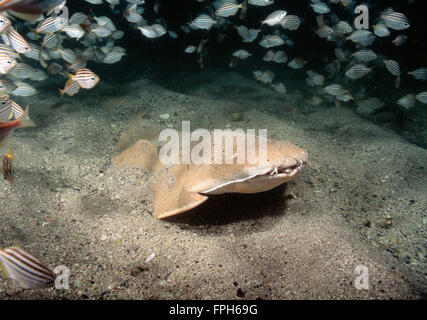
point(164, 116)
point(150, 257)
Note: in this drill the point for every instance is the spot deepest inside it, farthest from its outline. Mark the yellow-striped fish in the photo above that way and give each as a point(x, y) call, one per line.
point(7, 63)
point(24, 268)
point(71, 88)
point(4, 23)
point(85, 78)
point(8, 167)
point(17, 42)
point(51, 25)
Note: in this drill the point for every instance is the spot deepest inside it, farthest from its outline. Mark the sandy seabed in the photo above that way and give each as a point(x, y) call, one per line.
point(304, 240)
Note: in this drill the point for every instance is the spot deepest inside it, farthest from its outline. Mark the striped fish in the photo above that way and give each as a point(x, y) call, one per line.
point(190, 49)
point(422, 97)
point(279, 87)
point(7, 63)
point(79, 63)
point(228, 9)
point(264, 77)
point(7, 127)
point(290, 22)
point(71, 88)
point(320, 7)
point(280, 57)
point(22, 71)
point(51, 25)
point(153, 31)
point(16, 110)
point(357, 71)
point(343, 27)
point(344, 97)
point(78, 18)
point(365, 55)
point(50, 40)
point(36, 52)
point(74, 31)
point(9, 109)
point(340, 54)
point(346, 3)
point(314, 101)
point(247, 35)
point(392, 66)
point(23, 89)
point(113, 57)
point(271, 41)
point(7, 86)
point(269, 55)
point(4, 23)
point(241, 54)
point(400, 39)
point(17, 42)
point(8, 167)
point(335, 90)
point(26, 269)
point(99, 31)
point(85, 78)
point(363, 37)
point(297, 63)
point(54, 68)
point(315, 79)
point(369, 105)
point(419, 74)
point(68, 55)
point(118, 34)
point(381, 30)
point(395, 20)
point(324, 32)
point(203, 21)
point(107, 22)
point(131, 14)
point(260, 3)
point(407, 101)
point(4, 48)
point(274, 18)
point(5, 108)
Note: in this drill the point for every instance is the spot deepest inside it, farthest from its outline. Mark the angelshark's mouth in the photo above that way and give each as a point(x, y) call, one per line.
point(287, 171)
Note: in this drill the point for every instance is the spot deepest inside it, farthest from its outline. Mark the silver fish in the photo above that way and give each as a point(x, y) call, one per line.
point(271, 41)
point(400, 40)
point(407, 101)
point(274, 18)
point(422, 97)
point(392, 66)
point(365, 55)
point(396, 21)
point(419, 74)
point(357, 71)
point(203, 21)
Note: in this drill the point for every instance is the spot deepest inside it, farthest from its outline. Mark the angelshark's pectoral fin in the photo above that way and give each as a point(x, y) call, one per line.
point(170, 197)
